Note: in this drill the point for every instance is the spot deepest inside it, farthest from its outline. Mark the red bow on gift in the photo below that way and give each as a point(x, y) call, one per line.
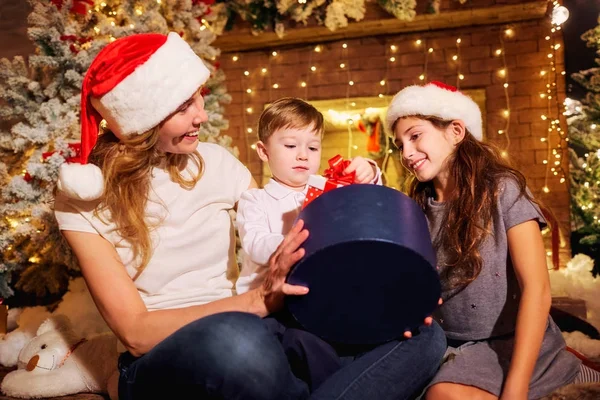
point(335, 172)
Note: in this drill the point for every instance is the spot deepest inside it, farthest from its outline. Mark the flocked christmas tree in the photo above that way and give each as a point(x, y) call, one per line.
point(584, 139)
point(39, 120)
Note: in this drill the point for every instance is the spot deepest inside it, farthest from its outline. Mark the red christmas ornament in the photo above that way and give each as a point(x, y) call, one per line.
point(64, 38)
point(204, 91)
point(75, 39)
point(76, 147)
point(78, 6)
point(27, 178)
point(207, 2)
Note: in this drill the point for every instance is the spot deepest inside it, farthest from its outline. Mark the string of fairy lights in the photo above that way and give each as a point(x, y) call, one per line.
point(555, 153)
point(383, 90)
point(555, 147)
point(503, 73)
point(554, 159)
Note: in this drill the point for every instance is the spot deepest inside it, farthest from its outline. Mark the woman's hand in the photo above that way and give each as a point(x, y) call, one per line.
point(428, 321)
point(274, 287)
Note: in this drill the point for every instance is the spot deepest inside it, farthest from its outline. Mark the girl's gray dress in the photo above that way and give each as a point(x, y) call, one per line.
point(479, 321)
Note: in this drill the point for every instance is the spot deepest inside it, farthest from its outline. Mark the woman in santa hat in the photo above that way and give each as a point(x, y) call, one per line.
point(146, 212)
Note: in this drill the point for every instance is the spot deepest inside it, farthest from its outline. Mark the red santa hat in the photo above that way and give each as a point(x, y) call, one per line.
point(134, 84)
point(439, 100)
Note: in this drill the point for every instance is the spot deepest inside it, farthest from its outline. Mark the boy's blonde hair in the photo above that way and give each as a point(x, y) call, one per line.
point(288, 112)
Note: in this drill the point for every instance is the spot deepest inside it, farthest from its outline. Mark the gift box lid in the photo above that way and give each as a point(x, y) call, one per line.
point(369, 264)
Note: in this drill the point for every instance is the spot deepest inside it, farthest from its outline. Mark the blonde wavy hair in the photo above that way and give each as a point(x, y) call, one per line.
point(127, 165)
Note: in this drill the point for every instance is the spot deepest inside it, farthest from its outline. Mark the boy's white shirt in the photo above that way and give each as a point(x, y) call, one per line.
point(264, 217)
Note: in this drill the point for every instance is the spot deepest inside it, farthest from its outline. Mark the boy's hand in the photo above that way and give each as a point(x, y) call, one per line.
point(364, 170)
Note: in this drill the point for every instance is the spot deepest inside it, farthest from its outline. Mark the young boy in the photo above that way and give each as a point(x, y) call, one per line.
point(290, 132)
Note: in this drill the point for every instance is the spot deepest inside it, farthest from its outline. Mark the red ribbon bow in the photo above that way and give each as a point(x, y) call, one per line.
point(335, 172)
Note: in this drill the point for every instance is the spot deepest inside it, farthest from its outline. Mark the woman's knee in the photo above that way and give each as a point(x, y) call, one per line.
point(241, 355)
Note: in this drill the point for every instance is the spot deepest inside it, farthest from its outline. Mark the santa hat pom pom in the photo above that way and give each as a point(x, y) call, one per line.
point(81, 181)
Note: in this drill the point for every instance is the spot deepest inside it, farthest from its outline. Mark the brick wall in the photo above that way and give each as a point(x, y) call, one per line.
point(367, 64)
point(366, 59)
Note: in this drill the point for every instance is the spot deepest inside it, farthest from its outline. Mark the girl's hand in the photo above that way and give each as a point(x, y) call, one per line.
point(364, 171)
point(428, 321)
point(274, 288)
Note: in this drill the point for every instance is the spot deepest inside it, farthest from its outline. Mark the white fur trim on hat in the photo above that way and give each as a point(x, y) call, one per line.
point(80, 181)
point(433, 100)
point(154, 90)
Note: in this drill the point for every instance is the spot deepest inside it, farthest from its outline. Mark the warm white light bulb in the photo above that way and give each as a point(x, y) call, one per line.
point(559, 15)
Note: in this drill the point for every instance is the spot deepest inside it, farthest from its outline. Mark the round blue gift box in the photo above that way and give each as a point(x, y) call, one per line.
point(369, 265)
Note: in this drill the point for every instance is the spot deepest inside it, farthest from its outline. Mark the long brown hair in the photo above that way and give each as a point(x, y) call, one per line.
point(127, 165)
point(476, 169)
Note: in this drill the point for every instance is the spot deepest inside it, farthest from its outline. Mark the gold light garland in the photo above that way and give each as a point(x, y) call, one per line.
point(554, 166)
point(554, 157)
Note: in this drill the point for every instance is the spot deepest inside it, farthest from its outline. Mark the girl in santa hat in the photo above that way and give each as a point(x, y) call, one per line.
point(146, 211)
point(485, 226)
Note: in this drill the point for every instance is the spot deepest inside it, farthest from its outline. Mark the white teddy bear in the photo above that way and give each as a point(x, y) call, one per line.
point(58, 362)
point(76, 304)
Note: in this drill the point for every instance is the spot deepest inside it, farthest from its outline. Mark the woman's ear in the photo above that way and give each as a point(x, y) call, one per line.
point(261, 149)
point(458, 130)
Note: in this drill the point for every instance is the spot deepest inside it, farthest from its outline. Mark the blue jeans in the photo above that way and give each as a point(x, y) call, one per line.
point(234, 356)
